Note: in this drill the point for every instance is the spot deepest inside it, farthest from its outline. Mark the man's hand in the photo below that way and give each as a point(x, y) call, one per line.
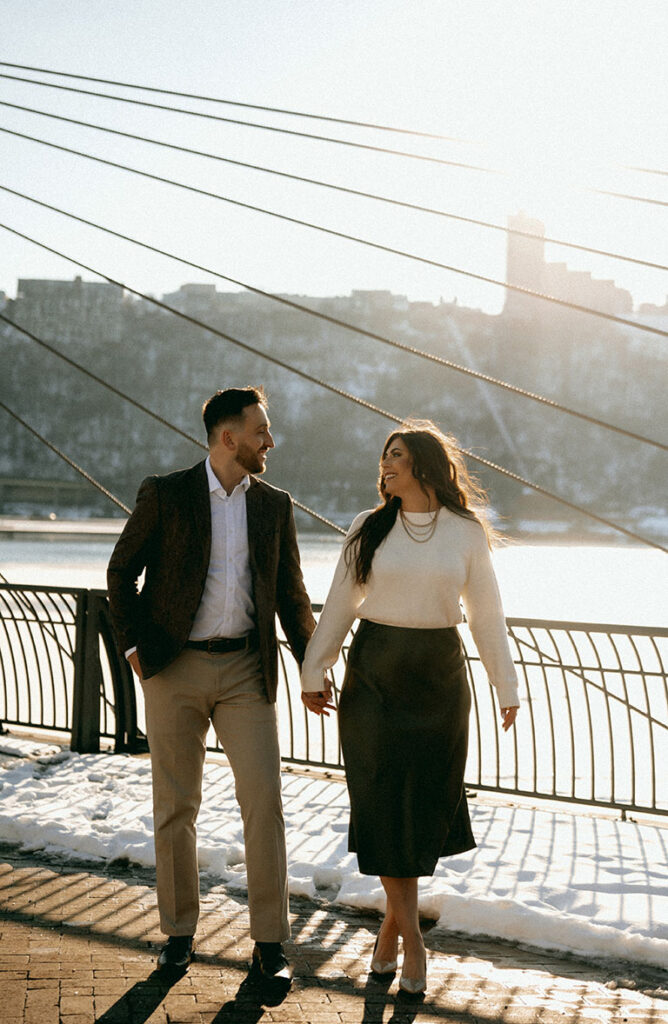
point(509, 715)
point(319, 701)
point(134, 663)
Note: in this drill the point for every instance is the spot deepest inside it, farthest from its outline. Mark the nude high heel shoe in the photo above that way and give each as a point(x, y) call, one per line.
point(414, 986)
point(381, 967)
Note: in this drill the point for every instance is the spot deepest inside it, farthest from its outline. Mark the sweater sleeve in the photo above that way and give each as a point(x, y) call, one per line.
point(484, 614)
point(337, 616)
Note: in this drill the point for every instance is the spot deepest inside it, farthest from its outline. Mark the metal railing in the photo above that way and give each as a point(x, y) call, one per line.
point(593, 725)
point(60, 669)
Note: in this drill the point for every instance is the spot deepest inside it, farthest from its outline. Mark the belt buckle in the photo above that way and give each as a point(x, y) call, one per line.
point(209, 646)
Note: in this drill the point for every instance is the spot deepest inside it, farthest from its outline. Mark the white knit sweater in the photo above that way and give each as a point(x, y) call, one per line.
point(420, 585)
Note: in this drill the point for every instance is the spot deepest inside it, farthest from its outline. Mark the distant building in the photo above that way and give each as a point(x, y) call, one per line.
point(652, 315)
point(68, 311)
point(526, 267)
point(525, 262)
point(650, 309)
point(374, 301)
point(193, 299)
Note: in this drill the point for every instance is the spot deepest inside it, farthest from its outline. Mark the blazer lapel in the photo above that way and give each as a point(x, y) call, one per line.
point(200, 508)
point(254, 519)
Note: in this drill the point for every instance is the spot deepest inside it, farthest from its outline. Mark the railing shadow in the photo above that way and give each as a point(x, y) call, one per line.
point(330, 950)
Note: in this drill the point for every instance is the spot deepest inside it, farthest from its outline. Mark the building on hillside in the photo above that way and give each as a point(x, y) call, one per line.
point(69, 311)
point(526, 267)
point(377, 301)
point(193, 299)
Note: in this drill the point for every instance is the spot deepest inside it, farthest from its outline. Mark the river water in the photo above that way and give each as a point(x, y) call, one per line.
point(587, 583)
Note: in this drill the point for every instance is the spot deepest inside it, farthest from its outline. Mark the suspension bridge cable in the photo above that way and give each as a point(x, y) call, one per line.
point(100, 380)
point(410, 349)
point(333, 187)
point(623, 195)
point(268, 109)
point(265, 127)
point(370, 244)
point(641, 170)
point(319, 138)
point(142, 408)
point(330, 387)
point(66, 458)
point(238, 103)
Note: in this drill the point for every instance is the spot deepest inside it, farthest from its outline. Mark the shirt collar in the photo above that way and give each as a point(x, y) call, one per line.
point(215, 484)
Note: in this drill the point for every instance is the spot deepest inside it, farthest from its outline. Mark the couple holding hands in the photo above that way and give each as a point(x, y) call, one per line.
point(219, 551)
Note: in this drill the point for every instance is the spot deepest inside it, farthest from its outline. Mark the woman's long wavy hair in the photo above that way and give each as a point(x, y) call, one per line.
point(437, 463)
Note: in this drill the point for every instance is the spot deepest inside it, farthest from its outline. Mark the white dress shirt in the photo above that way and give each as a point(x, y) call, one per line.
point(227, 607)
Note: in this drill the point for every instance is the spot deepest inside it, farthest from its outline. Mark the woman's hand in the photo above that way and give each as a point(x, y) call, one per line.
point(319, 701)
point(509, 715)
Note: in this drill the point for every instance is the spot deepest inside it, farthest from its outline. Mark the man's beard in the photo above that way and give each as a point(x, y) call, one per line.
point(249, 459)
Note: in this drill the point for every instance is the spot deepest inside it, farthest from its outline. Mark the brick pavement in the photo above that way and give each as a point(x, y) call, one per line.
point(78, 946)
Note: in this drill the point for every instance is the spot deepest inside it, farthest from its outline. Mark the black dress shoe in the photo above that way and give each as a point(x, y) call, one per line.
point(177, 952)
point(271, 962)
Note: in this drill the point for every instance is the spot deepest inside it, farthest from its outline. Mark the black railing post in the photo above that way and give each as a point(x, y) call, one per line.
point(127, 736)
point(87, 680)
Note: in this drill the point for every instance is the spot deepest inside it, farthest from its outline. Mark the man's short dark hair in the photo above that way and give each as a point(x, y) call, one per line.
point(229, 405)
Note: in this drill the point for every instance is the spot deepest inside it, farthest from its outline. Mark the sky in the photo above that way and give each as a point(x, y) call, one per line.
point(560, 95)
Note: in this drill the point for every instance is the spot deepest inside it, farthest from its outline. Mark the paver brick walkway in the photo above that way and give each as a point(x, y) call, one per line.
point(78, 946)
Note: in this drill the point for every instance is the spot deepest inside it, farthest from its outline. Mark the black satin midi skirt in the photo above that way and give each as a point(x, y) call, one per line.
point(403, 720)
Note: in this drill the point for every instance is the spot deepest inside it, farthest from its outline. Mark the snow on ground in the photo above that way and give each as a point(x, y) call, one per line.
point(553, 879)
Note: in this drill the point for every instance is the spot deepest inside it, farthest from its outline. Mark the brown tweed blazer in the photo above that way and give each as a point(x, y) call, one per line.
point(169, 536)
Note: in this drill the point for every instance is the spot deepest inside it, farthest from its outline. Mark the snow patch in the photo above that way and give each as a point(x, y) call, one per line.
point(590, 885)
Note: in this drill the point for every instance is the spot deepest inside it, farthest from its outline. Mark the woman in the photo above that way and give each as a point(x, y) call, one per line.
point(405, 698)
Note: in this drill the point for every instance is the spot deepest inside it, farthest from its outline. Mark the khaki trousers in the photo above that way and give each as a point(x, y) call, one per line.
point(227, 690)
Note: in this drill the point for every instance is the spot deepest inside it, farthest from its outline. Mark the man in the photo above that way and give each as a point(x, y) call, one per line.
point(220, 554)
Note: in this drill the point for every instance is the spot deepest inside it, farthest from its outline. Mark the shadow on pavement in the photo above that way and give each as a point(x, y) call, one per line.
point(377, 998)
point(141, 1001)
point(85, 927)
point(252, 998)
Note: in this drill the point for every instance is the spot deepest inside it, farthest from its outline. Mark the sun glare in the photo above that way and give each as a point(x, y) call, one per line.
point(544, 169)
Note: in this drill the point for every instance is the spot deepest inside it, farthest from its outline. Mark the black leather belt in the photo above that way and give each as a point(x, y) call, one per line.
point(220, 644)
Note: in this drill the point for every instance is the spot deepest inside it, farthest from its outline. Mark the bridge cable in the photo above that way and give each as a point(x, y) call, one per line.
point(634, 199)
point(66, 458)
point(373, 245)
point(644, 170)
point(265, 127)
point(547, 239)
point(138, 405)
point(410, 349)
point(143, 408)
point(238, 103)
point(99, 380)
point(320, 138)
point(335, 390)
point(268, 109)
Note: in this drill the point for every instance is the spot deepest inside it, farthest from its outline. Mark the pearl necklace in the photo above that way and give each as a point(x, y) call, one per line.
point(419, 532)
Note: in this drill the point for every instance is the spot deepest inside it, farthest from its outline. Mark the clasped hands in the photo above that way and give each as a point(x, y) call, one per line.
point(319, 700)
